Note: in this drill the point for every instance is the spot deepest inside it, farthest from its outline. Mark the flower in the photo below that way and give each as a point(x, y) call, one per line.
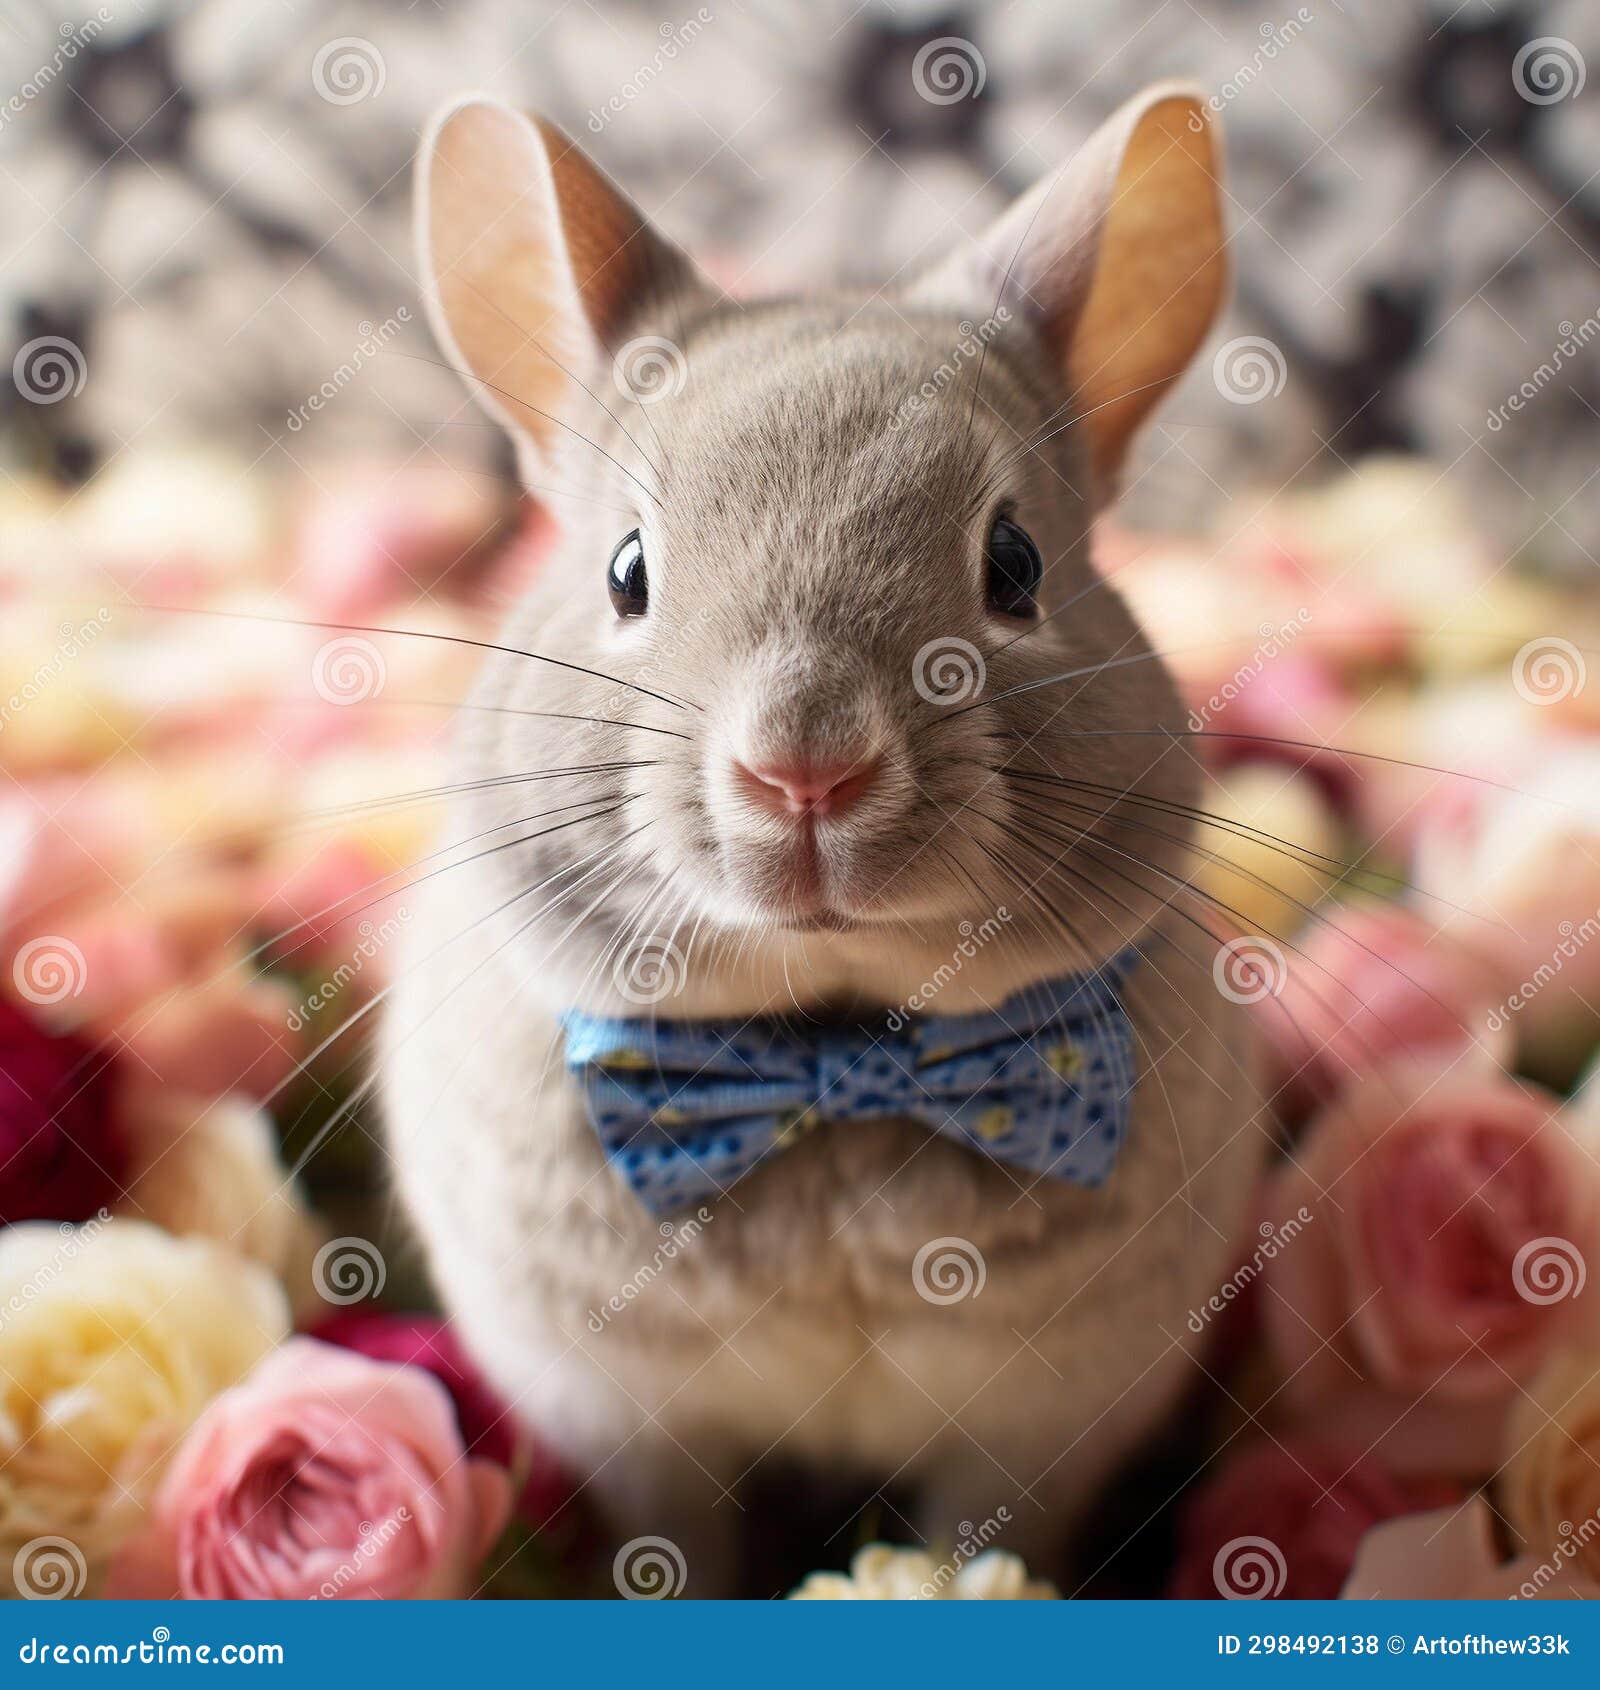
point(880, 1573)
point(62, 1155)
point(1254, 882)
point(1550, 1488)
point(1285, 1520)
point(488, 1428)
point(1454, 1212)
point(1522, 852)
point(323, 1475)
point(1372, 982)
point(1449, 1553)
point(113, 1338)
point(211, 1169)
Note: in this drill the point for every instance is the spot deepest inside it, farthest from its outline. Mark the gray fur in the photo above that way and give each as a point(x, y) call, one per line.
point(804, 551)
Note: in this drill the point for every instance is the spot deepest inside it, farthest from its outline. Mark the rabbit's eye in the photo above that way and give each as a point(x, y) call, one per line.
point(1015, 570)
point(629, 584)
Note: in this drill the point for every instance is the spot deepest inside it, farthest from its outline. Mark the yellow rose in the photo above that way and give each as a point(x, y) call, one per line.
point(881, 1574)
point(1550, 1488)
point(212, 1170)
point(113, 1337)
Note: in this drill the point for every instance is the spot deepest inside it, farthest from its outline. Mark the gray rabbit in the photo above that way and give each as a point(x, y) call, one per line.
point(818, 709)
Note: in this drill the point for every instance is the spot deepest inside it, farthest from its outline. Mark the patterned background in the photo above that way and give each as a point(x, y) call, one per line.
point(211, 204)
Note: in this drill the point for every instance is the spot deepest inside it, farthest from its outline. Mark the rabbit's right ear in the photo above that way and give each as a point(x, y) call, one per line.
point(534, 268)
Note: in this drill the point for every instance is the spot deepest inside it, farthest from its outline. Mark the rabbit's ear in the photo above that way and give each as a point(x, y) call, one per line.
point(535, 269)
point(1117, 259)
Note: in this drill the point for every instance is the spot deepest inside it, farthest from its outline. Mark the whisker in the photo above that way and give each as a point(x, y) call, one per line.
point(1338, 871)
point(415, 634)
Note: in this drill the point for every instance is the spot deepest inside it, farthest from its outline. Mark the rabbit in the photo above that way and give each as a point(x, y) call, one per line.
point(713, 767)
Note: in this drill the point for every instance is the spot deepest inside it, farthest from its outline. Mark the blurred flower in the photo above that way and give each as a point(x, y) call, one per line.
point(323, 1475)
point(488, 1428)
point(211, 1169)
point(879, 1573)
point(1285, 1520)
point(1266, 859)
point(63, 1153)
point(1454, 1215)
point(380, 535)
point(113, 1338)
point(1528, 860)
point(1550, 1486)
point(1448, 1554)
point(1371, 982)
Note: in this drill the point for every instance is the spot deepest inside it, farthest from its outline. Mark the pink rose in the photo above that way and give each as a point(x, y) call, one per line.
point(488, 1426)
point(1370, 983)
point(323, 1475)
point(1454, 1211)
point(1286, 1522)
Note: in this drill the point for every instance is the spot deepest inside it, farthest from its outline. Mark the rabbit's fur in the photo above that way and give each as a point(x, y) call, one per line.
point(814, 522)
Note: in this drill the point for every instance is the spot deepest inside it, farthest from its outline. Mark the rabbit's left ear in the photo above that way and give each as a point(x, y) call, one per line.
point(1118, 260)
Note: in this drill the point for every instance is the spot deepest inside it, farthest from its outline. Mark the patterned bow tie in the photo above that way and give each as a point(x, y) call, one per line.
point(683, 1109)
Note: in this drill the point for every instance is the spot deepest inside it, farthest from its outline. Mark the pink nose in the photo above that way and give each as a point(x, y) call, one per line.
point(806, 789)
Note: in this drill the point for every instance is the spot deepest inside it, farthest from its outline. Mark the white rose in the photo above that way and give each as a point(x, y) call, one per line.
point(881, 1574)
point(113, 1337)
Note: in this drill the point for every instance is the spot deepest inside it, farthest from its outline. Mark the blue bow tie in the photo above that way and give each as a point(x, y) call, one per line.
point(682, 1109)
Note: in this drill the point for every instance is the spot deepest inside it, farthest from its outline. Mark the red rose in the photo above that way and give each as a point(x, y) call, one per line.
point(1286, 1522)
point(62, 1155)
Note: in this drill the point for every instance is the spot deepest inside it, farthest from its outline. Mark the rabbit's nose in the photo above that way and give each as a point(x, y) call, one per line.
point(800, 788)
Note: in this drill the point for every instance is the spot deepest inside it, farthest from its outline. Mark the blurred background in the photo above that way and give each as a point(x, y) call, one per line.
point(1366, 525)
point(209, 200)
